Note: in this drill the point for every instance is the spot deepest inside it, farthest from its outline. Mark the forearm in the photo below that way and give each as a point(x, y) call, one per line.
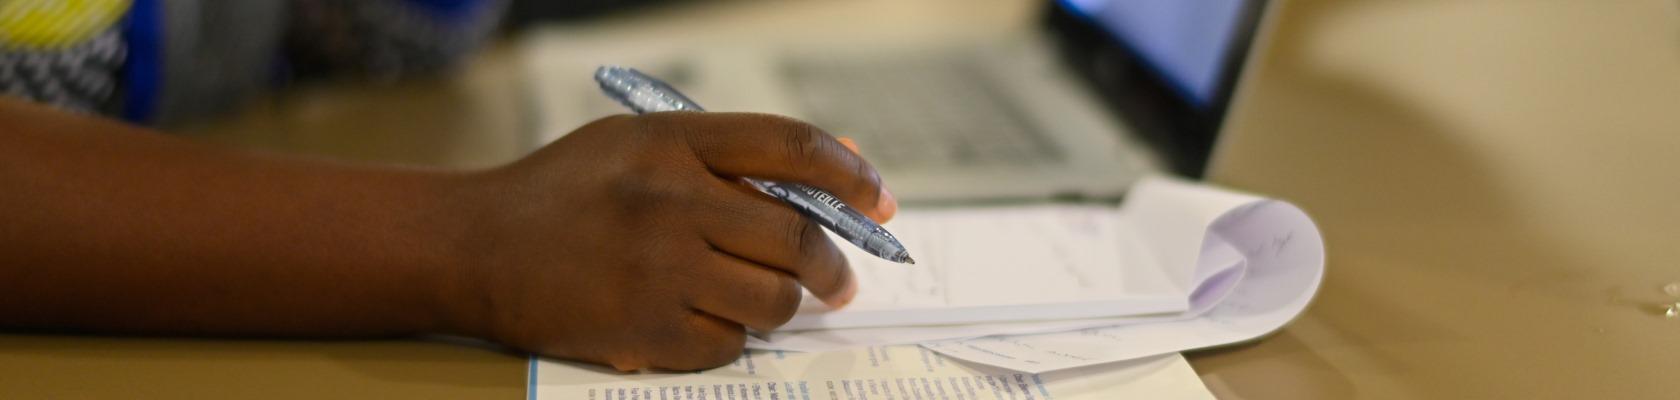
point(107, 227)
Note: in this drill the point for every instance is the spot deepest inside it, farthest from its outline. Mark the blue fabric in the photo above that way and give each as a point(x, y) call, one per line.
point(143, 72)
point(450, 9)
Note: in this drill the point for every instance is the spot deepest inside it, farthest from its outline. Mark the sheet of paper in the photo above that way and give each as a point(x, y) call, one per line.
point(1163, 227)
point(1043, 262)
point(893, 372)
point(1248, 265)
point(1284, 260)
point(1223, 261)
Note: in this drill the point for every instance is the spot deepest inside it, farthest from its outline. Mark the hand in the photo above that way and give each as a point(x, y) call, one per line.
point(631, 242)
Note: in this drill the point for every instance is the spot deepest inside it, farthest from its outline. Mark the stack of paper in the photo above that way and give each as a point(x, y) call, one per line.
point(1035, 289)
point(1178, 266)
point(889, 372)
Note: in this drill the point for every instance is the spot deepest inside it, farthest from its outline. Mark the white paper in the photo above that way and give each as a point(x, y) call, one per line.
point(1284, 259)
point(894, 372)
point(1045, 262)
point(1244, 265)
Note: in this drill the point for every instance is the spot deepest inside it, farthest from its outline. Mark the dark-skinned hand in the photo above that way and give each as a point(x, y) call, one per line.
point(631, 242)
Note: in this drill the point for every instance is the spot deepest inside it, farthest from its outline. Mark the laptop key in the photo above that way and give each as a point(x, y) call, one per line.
point(924, 111)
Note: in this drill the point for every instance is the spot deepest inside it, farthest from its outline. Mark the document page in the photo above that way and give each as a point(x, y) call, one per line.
point(885, 373)
point(996, 264)
point(1283, 255)
point(1246, 265)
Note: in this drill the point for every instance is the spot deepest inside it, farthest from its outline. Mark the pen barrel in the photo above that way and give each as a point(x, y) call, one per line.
point(644, 94)
point(843, 220)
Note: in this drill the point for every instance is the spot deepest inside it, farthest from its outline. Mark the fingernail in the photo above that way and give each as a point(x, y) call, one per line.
point(624, 366)
point(887, 206)
point(846, 141)
point(846, 295)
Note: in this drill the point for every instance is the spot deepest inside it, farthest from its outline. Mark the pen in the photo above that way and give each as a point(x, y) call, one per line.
point(645, 94)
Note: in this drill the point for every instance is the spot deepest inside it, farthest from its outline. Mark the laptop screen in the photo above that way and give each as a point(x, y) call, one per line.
point(1186, 42)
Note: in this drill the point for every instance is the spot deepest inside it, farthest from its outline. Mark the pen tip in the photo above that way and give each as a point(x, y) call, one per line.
point(908, 260)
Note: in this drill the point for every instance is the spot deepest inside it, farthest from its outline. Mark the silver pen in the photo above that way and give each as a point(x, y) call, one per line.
point(645, 94)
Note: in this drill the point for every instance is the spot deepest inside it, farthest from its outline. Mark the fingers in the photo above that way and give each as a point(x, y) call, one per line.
point(690, 340)
point(849, 143)
point(747, 293)
point(888, 204)
point(756, 228)
point(708, 341)
point(775, 148)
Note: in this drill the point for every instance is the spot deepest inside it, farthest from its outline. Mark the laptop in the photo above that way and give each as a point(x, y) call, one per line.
point(1096, 95)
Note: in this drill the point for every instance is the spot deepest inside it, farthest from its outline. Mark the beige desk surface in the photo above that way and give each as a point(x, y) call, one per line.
point(1496, 181)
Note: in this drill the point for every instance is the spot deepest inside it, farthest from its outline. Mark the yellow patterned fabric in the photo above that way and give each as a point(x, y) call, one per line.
point(55, 24)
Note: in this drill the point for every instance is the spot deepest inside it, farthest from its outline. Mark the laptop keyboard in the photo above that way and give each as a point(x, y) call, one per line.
point(919, 112)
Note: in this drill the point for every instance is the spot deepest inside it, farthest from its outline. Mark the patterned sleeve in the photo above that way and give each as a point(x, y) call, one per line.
point(169, 60)
point(68, 54)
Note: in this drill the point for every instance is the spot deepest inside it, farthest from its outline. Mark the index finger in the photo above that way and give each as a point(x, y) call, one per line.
point(779, 149)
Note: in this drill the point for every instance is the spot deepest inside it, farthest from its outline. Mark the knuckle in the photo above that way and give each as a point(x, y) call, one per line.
point(682, 138)
point(663, 267)
point(642, 176)
point(722, 350)
point(786, 302)
point(638, 196)
point(802, 236)
point(630, 190)
point(809, 148)
point(649, 187)
point(817, 262)
point(838, 271)
point(805, 144)
point(663, 333)
point(705, 349)
point(685, 268)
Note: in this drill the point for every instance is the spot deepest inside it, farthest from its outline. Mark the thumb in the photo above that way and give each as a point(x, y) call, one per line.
point(888, 205)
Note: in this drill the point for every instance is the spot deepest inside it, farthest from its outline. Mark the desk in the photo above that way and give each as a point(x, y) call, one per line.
point(1495, 181)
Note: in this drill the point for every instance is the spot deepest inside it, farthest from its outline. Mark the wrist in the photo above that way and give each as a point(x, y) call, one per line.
point(457, 300)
